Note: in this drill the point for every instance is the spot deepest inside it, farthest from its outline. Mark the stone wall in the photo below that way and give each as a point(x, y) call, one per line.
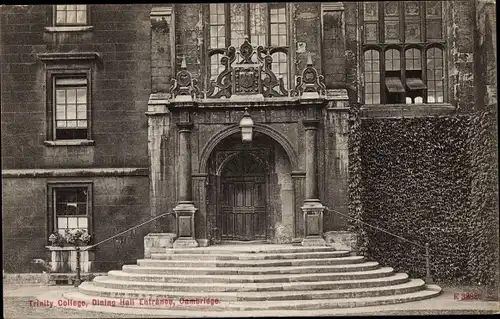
point(119, 203)
point(120, 87)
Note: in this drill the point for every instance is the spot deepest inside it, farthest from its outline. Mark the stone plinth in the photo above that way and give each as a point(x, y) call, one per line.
point(157, 243)
point(341, 240)
point(313, 223)
point(63, 259)
point(184, 220)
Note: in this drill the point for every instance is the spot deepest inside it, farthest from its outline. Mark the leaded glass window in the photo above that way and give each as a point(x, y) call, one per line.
point(399, 39)
point(264, 24)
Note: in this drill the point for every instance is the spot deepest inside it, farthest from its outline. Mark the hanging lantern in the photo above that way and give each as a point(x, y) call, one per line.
point(246, 126)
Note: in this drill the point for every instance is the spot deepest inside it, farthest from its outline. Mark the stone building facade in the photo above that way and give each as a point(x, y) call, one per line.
point(116, 114)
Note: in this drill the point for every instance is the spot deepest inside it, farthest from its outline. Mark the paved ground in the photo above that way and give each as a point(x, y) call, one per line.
point(17, 305)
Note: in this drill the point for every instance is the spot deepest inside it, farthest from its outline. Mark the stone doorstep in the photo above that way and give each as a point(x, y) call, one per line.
point(310, 304)
point(246, 293)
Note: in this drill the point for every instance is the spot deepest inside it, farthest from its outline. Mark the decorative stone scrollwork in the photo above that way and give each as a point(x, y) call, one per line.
point(310, 82)
point(184, 85)
point(247, 71)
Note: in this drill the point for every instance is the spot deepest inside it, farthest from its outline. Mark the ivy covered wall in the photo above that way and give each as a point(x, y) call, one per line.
point(424, 179)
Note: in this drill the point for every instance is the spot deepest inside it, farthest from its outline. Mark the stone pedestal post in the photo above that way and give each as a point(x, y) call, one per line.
point(185, 209)
point(312, 208)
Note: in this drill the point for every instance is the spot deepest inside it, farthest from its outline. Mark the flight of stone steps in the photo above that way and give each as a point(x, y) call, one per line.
point(264, 277)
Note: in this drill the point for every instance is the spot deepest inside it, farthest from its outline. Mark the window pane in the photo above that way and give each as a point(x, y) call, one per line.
point(81, 94)
point(392, 60)
point(258, 18)
point(72, 222)
point(280, 66)
point(81, 112)
point(391, 8)
point(71, 111)
point(412, 31)
point(413, 59)
point(433, 9)
point(370, 11)
point(412, 8)
point(371, 32)
point(62, 222)
point(71, 95)
point(83, 222)
point(81, 17)
point(61, 17)
point(71, 17)
point(392, 31)
point(435, 85)
point(217, 26)
point(372, 77)
point(60, 96)
point(237, 24)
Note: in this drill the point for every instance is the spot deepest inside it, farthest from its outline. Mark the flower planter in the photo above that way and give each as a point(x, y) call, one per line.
point(63, 259)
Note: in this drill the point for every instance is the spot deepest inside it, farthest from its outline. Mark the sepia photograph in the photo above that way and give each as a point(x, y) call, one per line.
point(260, 159)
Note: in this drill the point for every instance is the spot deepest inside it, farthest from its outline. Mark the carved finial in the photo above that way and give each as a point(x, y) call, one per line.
point(246, 112)
point(310, 84)
point(183, 63)
point(309, 59)
point(246, 37)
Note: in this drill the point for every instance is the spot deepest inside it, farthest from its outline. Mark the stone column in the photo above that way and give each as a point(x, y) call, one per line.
point(312, 208)
point(185, 209)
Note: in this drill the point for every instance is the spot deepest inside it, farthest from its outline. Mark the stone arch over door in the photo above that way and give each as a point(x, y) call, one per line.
point(260, 128)
point(270, 156)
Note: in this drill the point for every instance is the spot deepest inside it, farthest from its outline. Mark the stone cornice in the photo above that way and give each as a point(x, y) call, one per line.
point(74, 172)
point(407, 110)
point(332, 6)
point(58, 56)
point(161, 11)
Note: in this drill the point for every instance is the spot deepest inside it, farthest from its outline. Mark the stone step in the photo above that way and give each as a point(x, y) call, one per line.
point(344, 279)
point(116, 289)
point(251, 263)
point(250, 270)
point(107, 282)
point(429, 291)
point(266, 249)
point(251, 256)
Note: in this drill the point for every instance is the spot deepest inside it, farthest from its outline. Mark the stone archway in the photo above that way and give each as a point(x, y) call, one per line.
point(253, 181)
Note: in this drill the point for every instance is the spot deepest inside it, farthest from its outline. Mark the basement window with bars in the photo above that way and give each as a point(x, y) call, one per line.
point(71, 108)
point(264, 24)
point(403, 52)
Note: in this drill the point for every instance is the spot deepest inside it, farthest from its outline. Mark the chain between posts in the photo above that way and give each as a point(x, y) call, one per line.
point(79, 250)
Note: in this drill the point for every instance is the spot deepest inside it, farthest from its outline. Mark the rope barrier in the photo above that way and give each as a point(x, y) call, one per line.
point(125, 231)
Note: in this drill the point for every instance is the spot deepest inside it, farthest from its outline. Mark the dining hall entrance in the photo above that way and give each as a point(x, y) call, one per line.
point(249, 191)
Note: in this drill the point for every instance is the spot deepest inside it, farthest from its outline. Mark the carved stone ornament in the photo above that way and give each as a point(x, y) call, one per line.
point(310, 83)
point(184, 86)
point(247, 71)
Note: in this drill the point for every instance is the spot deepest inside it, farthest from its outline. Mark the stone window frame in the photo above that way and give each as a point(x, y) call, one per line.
point(67, 65)
point(51, 203)
point(381, 47)
point(81, 123)
point(276, 50)
point(69, 27)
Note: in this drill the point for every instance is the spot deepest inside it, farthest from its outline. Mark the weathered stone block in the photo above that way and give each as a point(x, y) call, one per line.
point(341, 240)
point(157, 243)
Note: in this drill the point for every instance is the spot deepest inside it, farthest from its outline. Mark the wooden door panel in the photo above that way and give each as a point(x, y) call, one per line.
point(242, 212)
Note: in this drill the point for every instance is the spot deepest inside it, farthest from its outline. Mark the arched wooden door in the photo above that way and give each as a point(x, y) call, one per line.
point(242, 199)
